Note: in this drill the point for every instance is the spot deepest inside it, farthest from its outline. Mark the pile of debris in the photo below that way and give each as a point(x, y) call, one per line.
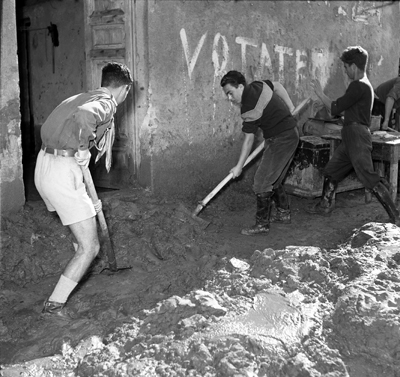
point(300, 311)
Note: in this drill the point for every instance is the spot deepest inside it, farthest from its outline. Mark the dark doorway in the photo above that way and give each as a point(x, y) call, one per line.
point(28, 136)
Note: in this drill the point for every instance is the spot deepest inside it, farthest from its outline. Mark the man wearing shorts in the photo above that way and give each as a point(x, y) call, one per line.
point(354, 152)
point(75, 125)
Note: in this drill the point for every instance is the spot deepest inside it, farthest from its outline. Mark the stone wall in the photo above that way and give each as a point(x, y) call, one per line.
point(191, 134)
point(188, 134)
point(11, 183)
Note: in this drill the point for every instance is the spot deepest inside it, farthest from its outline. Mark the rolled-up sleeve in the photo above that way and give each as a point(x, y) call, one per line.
point(250, 127)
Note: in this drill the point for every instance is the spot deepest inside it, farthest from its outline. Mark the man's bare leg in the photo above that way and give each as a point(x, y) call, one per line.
point(88, 246)
point(85, 233)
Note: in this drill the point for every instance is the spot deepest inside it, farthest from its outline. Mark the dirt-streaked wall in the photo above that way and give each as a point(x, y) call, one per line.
point(188, 134)
point(191, 136)
point(11, 183)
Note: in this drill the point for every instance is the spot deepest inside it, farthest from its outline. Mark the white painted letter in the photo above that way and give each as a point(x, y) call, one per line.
point(282, 50)
point(265, 61)
point(244, 42)
point(322, 62)
point(191, 61)
point(220, 69)
point(299, 65)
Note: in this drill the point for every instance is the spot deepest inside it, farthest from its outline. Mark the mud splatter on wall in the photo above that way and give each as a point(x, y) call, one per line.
point(198, 137)
point(184, 128)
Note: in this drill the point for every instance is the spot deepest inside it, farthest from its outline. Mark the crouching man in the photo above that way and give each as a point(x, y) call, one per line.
point(75, 125)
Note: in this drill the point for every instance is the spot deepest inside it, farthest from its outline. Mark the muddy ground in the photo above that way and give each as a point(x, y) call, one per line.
point(317, 297)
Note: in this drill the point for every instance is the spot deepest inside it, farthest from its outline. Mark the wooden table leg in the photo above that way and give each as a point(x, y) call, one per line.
point(368, 196)
point(332, 147)
point(394, 167)
point(394, 172)
point(380, 168)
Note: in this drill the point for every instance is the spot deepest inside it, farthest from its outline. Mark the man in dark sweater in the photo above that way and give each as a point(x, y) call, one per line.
point(265, 105)
point(354, 152)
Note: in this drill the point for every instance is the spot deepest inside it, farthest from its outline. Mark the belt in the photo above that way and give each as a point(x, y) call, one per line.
point(59, 152)
point(355, 124)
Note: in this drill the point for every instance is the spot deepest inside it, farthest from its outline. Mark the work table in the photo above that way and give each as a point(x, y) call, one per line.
point(385, 148)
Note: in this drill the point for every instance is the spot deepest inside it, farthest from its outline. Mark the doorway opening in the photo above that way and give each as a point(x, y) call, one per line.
point(28, 137)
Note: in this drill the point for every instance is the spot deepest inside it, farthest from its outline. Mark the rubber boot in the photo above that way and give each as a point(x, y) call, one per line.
point(264, 202)
point(327, 203)
point(282, 208)
point(383, 195)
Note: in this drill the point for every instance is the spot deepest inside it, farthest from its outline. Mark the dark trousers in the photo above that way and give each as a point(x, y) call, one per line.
point(278, 154)
point(354, 152)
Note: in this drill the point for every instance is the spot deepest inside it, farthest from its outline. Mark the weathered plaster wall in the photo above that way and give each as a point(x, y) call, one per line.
point(191, 136)
point(55, 72)
point(11, 183)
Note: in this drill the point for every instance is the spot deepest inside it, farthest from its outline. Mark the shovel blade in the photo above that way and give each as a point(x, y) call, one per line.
point(192, 217)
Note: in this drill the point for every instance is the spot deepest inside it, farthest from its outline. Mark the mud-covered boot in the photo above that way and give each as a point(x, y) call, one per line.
point(382, 194)
point(281, 216)
point(282, 212)
point(264, 201)
point(56, 310)
point(327, 203)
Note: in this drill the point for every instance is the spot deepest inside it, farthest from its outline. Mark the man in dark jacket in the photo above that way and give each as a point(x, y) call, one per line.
point(354, 152)
point(265, 105)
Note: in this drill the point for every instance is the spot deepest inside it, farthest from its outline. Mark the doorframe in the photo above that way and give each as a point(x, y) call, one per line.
point(109, 37)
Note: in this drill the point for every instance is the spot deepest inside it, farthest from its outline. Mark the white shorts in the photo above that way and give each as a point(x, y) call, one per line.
point(59, 181)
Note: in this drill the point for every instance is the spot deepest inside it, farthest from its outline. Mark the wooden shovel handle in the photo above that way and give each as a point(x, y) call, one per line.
point(230, 175)
point(87, 177)
point(249, 158)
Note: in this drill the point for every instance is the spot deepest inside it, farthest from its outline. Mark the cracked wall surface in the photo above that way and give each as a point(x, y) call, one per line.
point(196, 138)
point(188, 135)
point(12, 187)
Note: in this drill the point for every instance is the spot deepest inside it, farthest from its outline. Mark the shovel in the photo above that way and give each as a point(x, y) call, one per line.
point(256, 151)
point(112, 263)
point(184, 215)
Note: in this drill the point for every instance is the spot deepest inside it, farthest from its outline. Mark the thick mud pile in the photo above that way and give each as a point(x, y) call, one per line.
point(191, 307)
point(145, 231)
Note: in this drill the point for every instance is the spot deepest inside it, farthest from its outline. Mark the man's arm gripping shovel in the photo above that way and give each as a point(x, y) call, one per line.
point(256, 151)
